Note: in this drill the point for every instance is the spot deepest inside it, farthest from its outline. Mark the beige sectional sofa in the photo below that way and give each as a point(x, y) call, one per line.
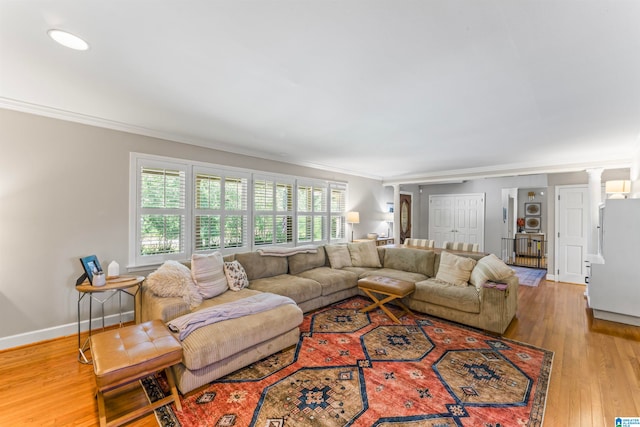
point(312, 281)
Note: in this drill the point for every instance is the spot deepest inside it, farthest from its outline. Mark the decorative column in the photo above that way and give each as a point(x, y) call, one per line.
point(396, 213)
point(595, 198)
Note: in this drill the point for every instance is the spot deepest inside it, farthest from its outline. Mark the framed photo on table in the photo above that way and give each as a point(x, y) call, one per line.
point(91, 265)
point(533, 209)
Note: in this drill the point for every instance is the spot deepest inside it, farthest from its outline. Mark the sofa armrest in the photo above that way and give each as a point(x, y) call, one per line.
point(163, 308)
point(498, 304)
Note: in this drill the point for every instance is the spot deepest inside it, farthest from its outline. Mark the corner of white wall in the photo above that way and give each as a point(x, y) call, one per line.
point(635, 171)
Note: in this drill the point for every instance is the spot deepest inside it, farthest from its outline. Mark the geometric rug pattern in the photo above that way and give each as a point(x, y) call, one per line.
point(529, 276)
point(361, 369)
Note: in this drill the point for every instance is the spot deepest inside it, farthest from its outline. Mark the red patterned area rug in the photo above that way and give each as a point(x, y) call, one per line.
point(356, 369)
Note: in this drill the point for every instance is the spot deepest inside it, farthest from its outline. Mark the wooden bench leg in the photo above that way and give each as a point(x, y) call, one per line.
point(102, 413)
point(380, 303)
point(173, 388)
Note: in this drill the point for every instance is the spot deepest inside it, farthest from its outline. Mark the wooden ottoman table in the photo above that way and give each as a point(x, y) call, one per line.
point(122, 356)
point(393, 289)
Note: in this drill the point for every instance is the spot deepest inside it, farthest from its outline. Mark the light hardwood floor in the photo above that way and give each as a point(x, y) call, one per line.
point(595, 376)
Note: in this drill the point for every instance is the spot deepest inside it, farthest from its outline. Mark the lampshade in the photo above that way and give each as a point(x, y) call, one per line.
point(389, 217)
point(618, 188)
point(353, 217)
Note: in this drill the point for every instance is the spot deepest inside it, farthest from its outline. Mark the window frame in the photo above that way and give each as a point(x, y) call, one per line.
point(191, 171)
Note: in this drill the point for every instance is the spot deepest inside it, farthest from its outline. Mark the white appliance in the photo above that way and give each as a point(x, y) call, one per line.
point(614, 285)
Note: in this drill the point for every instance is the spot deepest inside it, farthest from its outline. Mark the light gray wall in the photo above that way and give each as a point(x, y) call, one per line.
point(64, 194)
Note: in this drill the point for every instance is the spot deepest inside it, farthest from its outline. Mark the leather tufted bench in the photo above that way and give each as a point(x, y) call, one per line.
point(392, 289)
point(122, 356)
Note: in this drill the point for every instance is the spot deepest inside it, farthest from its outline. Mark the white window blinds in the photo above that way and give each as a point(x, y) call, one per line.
point(272, 210)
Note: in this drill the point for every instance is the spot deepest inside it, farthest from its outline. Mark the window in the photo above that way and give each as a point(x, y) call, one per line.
point(179, 208)
point(273, 210)
point(161, 211)
point(312, 213)
point(220, 211)
point(338, 214)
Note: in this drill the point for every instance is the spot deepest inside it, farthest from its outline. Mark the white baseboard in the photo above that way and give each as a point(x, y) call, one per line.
point(62, 330)
point(551, 277)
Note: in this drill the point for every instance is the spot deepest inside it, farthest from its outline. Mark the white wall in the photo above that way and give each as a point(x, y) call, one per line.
point(64, 194)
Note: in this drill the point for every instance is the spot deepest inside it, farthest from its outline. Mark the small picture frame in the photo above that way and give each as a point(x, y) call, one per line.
point(532, 223)
point(91, 265)
point(533, 209)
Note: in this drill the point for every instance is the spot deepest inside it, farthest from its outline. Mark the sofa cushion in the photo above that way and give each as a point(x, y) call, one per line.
point(411, 260)
point(455, 269)
point(364, 254)
point(339, 256)
point(258, 266)
point(218, 341)
point(173, 279)
point(207, 272)
point(303, 262)
point(331, 280)
point(297, 288)
point(236, 276)
point(434, 291)
point(490, 268)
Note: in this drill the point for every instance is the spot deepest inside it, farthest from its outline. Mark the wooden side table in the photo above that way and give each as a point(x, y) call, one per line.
point(129, 285)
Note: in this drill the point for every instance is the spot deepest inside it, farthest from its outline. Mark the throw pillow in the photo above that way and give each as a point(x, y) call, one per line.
point(364, 254)
point(455, 269)
point(208, 273)
point(490, 269)
point(339, 256)
point(236, 276)
point(173, 279)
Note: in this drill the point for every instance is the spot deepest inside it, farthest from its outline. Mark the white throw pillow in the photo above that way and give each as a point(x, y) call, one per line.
point(339, 256)
point(236, 276)
point(455, 269)
point(208, 273)
point(173, 279)
point(364, 254)
point(490, 268)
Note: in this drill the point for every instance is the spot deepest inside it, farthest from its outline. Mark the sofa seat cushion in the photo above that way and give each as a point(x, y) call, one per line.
point(299, 289)
point(434, 291)
point(331, 280)
point(361, 271)
point(220, 340)
point(396, 274)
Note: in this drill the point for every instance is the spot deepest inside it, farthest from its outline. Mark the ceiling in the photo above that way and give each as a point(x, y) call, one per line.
point(402, 91)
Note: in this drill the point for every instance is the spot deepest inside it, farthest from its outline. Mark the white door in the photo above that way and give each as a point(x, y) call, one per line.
point(441, 219)
point(469, 219)
point(456, 218)
point(572, 232)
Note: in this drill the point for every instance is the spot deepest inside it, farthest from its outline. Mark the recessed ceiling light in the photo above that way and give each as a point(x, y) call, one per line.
point(68, 40)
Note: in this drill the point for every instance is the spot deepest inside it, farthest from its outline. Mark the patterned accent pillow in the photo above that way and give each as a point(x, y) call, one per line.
point(208, 273)
point(338, 256)
point(236, 276)
point(490, 269)
point(455, 269)
point(364, 254)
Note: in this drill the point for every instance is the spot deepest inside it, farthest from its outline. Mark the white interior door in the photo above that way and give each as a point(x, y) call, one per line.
point(469, 219)
point(441, 219)
point(572, 232)
point(456, 218)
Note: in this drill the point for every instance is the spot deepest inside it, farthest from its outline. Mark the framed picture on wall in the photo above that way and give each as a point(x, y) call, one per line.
point(533, 209)
point(532, 223)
